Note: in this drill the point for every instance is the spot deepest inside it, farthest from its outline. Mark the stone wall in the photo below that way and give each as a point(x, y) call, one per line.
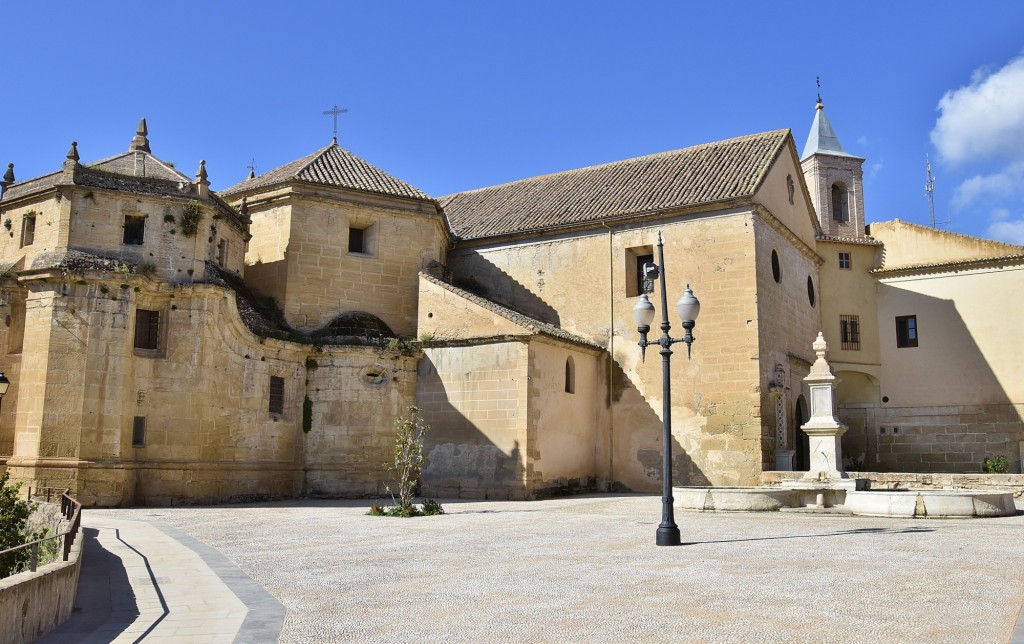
point(33, 603)
point(202, 396)
point(788, 321)
point(949, 438)
point(355, 396)
point(474, 397)
point(582, 283)
point(300, 256)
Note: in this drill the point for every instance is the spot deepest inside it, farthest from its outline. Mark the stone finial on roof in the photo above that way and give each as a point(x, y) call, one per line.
point(252, 174)
point(243, 210)
point(202, 180)
point(8, 179)
point(139, 141)
point(73, 152)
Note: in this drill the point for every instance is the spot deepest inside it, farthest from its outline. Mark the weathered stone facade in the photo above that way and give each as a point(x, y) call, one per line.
point(167, 344)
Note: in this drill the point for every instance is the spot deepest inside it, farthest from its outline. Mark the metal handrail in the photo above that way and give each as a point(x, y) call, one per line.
point(71, 510)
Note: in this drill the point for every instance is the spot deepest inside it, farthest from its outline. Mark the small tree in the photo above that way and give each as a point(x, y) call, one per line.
point(14, 514)
point(407, 461)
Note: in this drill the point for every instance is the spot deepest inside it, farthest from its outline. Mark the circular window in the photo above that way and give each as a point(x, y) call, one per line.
point(810, 290)
point(776, 267)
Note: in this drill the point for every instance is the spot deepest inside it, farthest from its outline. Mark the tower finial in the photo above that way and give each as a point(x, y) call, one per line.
point(9, 175)
point(820, 104)
point(252, 169)
point(201, 173)
point(335, 111)
point(73, 152)
point(139, 142)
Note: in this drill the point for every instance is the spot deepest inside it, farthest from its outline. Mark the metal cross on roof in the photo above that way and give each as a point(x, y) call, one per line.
point(335, 111)
point(252, 169)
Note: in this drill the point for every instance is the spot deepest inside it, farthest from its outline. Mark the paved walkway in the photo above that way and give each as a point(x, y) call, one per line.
point(146, 582)
point(580, 569)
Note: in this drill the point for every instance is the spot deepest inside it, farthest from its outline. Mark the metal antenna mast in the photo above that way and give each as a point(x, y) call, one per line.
point(929, 189)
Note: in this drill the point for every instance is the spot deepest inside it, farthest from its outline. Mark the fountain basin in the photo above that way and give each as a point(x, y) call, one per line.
point(924, 503)
point(931, 503)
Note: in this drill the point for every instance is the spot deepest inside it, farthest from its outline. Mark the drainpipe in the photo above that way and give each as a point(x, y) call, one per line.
point(611, 353)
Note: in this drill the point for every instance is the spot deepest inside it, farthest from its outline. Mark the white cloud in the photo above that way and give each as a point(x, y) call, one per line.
point(985, 119)
point(1004, 184)
point(1011, 231)
point(876, 168)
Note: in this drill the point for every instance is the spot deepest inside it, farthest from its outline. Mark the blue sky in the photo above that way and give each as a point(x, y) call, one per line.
point(451, 96)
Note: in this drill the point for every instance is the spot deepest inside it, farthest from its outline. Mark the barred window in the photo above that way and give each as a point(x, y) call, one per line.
point(849, 332)
point(276, 405)
point(845, 261)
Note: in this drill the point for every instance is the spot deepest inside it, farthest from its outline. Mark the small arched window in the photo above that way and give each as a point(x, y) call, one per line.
point(840, 203)
point(776, 267)
point(570, 376)
point(810, 290)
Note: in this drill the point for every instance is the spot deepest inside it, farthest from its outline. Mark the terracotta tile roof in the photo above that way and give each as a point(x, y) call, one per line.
point(951, 266)
point(530, 324)
point(838, 239)
point(333, 166)
point(708, 173)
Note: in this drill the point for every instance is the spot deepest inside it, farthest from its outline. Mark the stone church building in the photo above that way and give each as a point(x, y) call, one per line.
point(170, 344)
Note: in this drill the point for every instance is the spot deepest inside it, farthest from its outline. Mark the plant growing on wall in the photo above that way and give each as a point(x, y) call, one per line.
point(997, 464)
point(191, 214)
point(307, 414)
point(14, 514)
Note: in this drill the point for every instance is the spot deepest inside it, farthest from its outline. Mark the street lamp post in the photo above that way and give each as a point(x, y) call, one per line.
point(4, 385)
point(688, 308)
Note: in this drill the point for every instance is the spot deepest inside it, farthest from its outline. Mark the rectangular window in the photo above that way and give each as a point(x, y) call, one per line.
point(849, 332)
point(643, 285)
point(276, 405)
point(356, 240)
point(906, 331)
point(134, 229)
point(222, 252)
point(636, 257)
point(147, 329)
point(28, 230)
point(139, 432)
point(844, 261)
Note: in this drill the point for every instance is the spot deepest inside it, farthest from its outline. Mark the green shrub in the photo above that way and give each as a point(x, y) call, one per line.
point(407, 459)
point(432, 507)
point(14, 514)
point(997, 464)
point(191, 215)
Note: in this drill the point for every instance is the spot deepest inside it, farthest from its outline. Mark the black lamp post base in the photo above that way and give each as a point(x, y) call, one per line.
point(668, 536)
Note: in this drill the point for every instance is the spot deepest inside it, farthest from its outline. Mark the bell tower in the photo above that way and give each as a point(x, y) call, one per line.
point(834, 178)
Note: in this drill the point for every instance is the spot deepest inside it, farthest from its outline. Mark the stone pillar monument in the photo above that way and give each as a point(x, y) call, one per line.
point(823, 429)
